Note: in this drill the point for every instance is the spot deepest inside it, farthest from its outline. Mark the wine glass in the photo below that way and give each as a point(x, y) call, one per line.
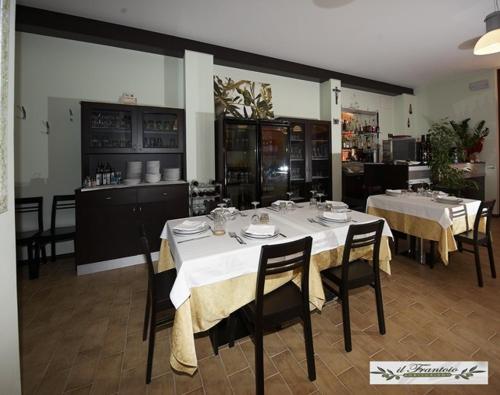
point(320, 196)
point(255, 217)
point(227, 201)
point(313, 201)
point(289, 194)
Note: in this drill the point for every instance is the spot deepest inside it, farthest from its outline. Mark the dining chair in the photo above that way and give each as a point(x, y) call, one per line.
point(478, 239)
point(286, 303)
point(28, 239)
point(357, 273)
point(57, 234)
point(160, 311)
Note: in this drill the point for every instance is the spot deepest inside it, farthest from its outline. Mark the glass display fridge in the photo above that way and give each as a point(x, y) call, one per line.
point(252, 160)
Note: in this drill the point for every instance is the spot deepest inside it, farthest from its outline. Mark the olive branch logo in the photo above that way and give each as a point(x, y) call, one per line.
point(387, 374)
point(466, 374)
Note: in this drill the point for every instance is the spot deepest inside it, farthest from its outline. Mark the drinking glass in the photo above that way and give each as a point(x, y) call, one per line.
point(321, 209)
point(264, 218)
point(219, 222)
point(227, 201)
point(282, 208)
point(313, 201)
point(255, 217)
point(289, 194)
point(320, 196)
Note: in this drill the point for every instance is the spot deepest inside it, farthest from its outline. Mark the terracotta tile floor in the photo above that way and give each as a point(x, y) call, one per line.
point(82, 335)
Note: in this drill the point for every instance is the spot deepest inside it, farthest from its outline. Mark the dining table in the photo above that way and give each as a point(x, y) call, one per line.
point(216, 275)
point(426, 217)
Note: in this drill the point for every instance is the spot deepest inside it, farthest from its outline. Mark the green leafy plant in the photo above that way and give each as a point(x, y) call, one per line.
point(243, 99)
point(445, 140)
point(470, 140)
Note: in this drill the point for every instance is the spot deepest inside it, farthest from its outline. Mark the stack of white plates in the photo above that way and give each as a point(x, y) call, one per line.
point(173, 174)
point(153, 171)
point(188, 227)
point(131, 181)
point(260, 232)
point(134, 171)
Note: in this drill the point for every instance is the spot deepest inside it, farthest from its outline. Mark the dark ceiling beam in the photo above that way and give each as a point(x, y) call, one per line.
point(38, 21)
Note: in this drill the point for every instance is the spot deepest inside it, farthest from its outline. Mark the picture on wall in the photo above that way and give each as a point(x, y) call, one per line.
point(4, 73)
point(243, 98)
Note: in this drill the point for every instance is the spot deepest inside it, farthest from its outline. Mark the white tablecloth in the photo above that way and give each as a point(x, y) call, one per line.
point(421, 206)
point(217, 258)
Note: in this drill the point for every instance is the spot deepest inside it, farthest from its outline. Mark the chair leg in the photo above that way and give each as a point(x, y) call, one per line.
point(346, 320)
point(380, 305)
point(460, 246)
point(146, 316)
point(53, 251)
point(231, 327)
point(308, 339)
point(151, 349)
point(33, 262)
point(478, 265)
point(259, 362)
point(491, 258)
point(43, 248)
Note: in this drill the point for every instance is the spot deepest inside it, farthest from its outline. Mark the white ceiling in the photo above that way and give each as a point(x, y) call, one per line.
point(398, 41)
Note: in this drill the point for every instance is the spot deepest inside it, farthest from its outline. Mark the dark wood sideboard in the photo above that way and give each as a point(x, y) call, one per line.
point(108, 221)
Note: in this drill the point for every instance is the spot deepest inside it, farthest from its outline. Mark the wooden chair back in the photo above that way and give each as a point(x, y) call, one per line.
point(31, 205)
point(61, 202)
point(362, 235)
point(281, 258)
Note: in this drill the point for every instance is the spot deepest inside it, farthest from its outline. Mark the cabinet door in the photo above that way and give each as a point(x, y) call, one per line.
point(161, 130)
point(320, 156)
point(107, 225)
point(109, 128)
point(299, 166)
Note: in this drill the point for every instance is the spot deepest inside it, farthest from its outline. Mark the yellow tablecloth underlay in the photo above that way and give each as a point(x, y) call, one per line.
point(211, 303)
point(427, 229)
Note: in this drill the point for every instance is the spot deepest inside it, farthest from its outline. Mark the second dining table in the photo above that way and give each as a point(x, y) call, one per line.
point(426, 217)
point(216, 275)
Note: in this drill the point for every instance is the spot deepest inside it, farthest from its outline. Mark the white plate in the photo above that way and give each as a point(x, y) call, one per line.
point(190, 232)
point(253, 236)
point(449, 200)
point(393, 194)
point(339, 221)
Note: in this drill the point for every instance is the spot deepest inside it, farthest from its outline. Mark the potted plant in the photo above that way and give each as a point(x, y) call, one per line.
point(444, 141)
point(469, 141)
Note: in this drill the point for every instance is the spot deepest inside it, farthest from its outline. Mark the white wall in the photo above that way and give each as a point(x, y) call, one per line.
point(10, 376)
point(291, 97)
point(452, 98)
point(53, 76)
point(200, 137)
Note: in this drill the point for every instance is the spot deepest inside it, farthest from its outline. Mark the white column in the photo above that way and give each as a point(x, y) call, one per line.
point(330, 110)
point(10, 376)
point(199, 108)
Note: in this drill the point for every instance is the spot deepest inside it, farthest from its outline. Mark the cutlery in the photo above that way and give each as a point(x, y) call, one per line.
point(312, 220)
point(197, 238)
point(281, 234)
point(238, 238)
point(272, 209)
point(243, 214)
point(209, 217)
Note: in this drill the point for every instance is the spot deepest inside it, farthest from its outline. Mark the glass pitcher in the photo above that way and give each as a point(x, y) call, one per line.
point(219, 221)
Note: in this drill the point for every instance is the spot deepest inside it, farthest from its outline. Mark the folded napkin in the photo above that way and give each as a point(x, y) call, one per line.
point(188, 225)
point(394, 191)
point(336, 216)
point(335, 204)
point(261, 230)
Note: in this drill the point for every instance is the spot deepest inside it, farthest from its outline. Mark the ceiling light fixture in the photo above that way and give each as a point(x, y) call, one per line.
point(489, 43)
